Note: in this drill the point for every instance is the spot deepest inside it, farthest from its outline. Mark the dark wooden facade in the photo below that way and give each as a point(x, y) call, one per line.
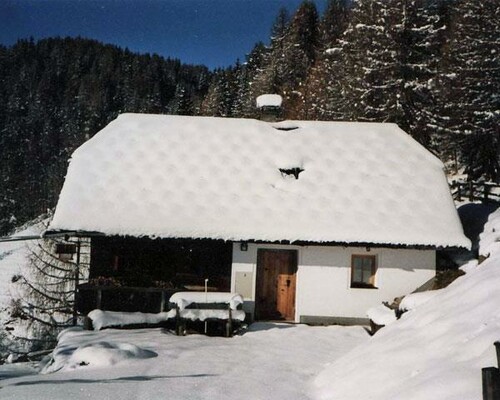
point(170, 263)
point(140, 274)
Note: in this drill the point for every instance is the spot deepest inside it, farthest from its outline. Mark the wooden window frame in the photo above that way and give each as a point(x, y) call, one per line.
point(363, 285)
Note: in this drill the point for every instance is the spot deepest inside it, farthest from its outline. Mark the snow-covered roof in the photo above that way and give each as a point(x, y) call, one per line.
point(233, 179)
point(269, 100)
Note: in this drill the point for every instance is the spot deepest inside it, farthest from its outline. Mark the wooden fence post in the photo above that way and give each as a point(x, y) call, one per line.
point(491, 379)
point(479, 191)
point(486, 192)
point(497, 347)
point(229, 325)
point(459, 191)
point(180, 323)
point(163, 301)
point(491, 383)
point(99, 299)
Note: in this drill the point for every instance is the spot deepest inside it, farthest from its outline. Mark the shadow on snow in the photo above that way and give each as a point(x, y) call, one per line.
point(124, 378)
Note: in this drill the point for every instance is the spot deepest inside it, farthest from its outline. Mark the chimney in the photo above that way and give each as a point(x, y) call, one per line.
point(269, 106)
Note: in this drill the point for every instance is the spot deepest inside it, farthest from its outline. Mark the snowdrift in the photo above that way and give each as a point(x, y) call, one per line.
point(74, 352)
point(436, 350)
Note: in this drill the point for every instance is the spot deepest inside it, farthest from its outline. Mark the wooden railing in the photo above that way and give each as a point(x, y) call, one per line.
point(476, 191)
point(125, 299)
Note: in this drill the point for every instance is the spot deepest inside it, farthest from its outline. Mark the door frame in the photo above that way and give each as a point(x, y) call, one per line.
point(259, 275)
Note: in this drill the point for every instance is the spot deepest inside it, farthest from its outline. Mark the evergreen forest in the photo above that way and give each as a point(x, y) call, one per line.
point(57, 93)
point(431, 66)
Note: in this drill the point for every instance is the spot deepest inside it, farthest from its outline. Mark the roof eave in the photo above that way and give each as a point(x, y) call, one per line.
point(367, 244)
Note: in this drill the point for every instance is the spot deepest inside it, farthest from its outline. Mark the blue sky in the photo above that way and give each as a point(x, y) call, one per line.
point(210, 32)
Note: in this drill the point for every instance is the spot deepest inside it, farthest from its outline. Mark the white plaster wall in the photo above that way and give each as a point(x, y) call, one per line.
point(323, 277)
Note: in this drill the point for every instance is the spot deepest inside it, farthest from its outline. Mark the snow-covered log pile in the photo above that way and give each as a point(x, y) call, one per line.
point(105, 319)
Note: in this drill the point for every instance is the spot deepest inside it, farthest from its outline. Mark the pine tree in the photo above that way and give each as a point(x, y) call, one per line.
point(423, 39)
point(300, 46)
point(274, 73)
point(46, 289)
point(373, 83)
point(325, 97)
point(279, 28)
point(221, 97)
point(182, 103)
point(334, 22)
point(246, 84)
point(470, 87)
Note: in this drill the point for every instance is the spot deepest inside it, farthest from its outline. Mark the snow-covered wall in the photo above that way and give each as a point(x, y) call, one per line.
point(324, 277)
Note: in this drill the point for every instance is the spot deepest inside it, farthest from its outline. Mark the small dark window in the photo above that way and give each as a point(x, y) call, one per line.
point(363, 270)
point(65, 248)
point(291, 171)
point(65, 251)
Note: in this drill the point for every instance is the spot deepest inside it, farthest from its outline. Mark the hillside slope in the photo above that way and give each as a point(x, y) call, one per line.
point(434, 351)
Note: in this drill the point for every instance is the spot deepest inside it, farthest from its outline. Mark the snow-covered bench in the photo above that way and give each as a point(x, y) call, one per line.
point(220, 307)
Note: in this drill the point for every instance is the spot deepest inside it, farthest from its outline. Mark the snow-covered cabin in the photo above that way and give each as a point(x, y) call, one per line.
point(309, 221)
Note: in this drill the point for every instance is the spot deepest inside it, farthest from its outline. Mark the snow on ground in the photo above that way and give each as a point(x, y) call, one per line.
point(13, 258)
point(435, 351)
point(381, 315)
point(490, 238)
point(414, 300)
point(270, 361)
point(18, 369)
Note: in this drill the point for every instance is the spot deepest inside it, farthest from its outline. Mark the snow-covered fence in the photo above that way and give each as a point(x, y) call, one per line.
point(476, 191)
point(491, 379)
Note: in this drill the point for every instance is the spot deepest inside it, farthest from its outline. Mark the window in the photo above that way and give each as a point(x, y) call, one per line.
point(65, 251)
point(363, 269)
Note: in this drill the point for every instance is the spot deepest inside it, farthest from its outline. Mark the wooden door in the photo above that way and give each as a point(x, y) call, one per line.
point(275, 289)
